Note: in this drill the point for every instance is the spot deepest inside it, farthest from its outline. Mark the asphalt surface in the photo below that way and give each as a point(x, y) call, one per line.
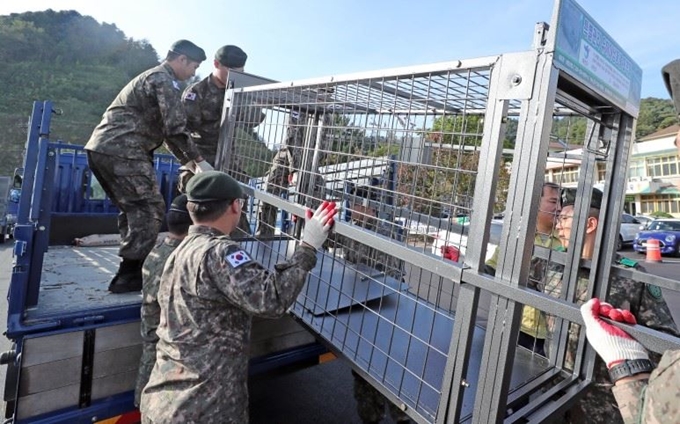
point(321, 393)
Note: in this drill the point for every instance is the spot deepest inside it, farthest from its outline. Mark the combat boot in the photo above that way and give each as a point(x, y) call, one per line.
point(128, 278)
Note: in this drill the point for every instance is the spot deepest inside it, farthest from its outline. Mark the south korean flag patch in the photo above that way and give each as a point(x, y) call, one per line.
point(190, 96)
point(238, 258)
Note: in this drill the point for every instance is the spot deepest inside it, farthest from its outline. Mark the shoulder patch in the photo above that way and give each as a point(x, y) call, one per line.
point(238, 258)
point(655, 291)
point(190, 95)
point(175, 84)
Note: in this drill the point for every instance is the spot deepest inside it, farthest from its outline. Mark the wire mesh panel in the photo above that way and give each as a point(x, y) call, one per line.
point(399, 153)
point(453, 276)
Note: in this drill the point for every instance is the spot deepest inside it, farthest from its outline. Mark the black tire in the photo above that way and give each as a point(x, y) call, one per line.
point(619, 243)
point(3, 234)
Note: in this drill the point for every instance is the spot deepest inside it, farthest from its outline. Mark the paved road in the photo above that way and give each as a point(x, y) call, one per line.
point(668, 268)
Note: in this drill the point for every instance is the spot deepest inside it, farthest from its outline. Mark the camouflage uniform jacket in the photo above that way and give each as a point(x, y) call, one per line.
point(643, 300)
point(656, 401)
point(533, 321)
point(147, 112)
point(151, 311)
point(203, 102)
point(211, 290)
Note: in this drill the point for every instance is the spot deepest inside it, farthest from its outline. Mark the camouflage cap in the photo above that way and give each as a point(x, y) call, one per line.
point(671, 77)
point(188, 49)
point(179, 204)
point(212, 186)
point(568, 197)
point(231, 56)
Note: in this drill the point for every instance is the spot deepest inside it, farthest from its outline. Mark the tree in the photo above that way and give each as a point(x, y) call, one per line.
point(655, 114)
point(70, 59)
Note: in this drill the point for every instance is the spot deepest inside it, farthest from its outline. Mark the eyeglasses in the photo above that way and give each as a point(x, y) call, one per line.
point(563, 218)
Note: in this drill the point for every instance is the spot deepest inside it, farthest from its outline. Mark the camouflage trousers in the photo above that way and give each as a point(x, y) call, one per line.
point(132, 187)
point(277, 183)
point(371, 403)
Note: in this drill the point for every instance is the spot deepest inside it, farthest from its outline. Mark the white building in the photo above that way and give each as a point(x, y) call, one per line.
point(653, 176)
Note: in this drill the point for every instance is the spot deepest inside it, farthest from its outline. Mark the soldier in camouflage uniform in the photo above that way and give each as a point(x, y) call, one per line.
point(211, 290)
point(178, 221)
point(146, 113)
point(370, 402)
point(285, 166)
point(533, 329)
point(645, 301)
point(642, 398)
point(203, 102)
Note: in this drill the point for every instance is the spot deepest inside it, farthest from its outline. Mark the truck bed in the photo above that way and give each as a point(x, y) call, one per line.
point(77, 278)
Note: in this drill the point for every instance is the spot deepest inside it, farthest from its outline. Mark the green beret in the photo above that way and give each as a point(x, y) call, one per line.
point(179, 204)
point(188, 49)
point(569, 198)
point(210, 186)
point(231, 57)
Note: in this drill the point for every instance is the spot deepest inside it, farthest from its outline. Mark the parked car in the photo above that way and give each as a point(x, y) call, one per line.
point(644, 220)
point(458, 237)
point(630, 226)
point(666, 230)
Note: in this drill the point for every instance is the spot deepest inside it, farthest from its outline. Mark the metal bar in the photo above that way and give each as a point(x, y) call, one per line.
point(532, 140)
point(87, 368)
point(485, 189)
point(42, 224)
point(412, 71)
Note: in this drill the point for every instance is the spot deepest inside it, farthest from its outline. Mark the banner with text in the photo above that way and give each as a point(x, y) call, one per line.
point(586, 52)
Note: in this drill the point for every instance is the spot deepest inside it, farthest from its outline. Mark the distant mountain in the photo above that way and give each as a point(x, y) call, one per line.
point(70, 59)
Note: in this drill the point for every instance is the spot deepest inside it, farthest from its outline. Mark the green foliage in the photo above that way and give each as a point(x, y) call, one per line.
point(459, 129)
point(655, 114)
point(660, 214)
point(70, 59)
point(569, 129)
point(259, 157)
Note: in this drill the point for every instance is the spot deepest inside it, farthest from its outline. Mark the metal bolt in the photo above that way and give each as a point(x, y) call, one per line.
point(464, 383)
point(403, 406)
point(41, 228)
point(516, 80)
point(94, 419)
point(50, 154)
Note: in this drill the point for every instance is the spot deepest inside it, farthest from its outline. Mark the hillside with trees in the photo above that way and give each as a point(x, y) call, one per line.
point(68, 58)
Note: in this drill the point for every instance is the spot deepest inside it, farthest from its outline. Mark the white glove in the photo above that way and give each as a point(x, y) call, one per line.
point(610, 342)
point(318, 225)
point(203, 166)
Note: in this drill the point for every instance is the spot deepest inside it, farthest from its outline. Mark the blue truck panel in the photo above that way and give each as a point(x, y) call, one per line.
point(58, 294)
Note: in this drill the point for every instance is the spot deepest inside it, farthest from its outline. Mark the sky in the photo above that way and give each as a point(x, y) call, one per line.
point(295, 39)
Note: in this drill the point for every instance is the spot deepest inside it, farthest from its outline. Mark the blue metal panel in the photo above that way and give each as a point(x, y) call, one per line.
point(98, 410)
point(57, 179)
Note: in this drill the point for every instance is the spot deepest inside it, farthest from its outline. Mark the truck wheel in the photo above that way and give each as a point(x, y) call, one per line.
point(619, 243)
point(3, 234)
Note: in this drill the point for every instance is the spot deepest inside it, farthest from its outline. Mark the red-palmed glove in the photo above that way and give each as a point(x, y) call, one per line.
point(610, 342)
point(318, 224)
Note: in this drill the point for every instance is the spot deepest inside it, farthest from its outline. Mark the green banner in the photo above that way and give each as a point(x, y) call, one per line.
point(586, 52)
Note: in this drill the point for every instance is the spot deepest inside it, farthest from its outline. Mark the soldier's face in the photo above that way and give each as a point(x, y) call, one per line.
point(187, 68)
point(221, 72)
point(549, 207)
point(564, 220)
